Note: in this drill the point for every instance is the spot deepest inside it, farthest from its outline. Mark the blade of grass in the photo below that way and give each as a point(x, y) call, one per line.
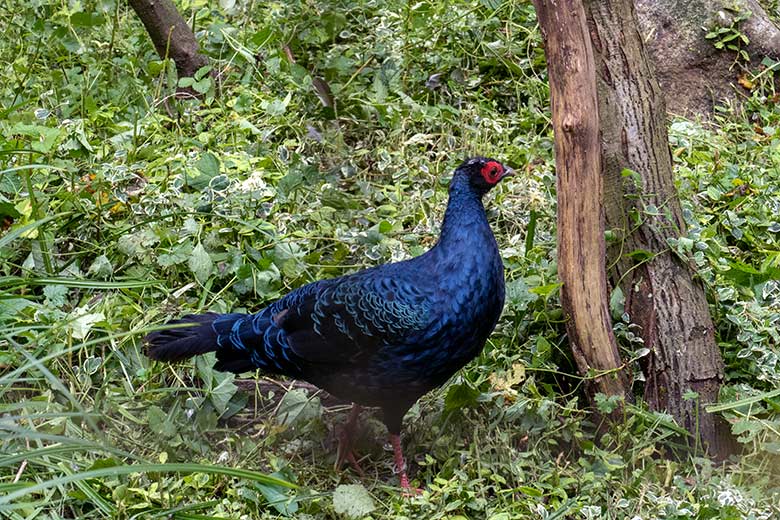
point(117, 471)
point(10, 378)
point(17, 232)
point(176, 511)
point(48, 451)
point(96, 498)
point(13, 281)
point(27, 434)
point(56, 384)
point(743, 402)
point(530, 232)
point(30, 167)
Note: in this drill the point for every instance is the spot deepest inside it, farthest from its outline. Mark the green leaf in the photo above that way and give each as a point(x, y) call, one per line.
point(460, 396)
point(11, 281)
point(208, 165)
point(333, 21)
point(545, 290)
point(277, 107)
point(56, 295)
point(640, 254)
point(108, 462)
point(42, 138)
point(202, 72)
point(278, 498)
point(224, 390)
point(83, 19)
point(264, 36)
point(202, 86)
point(81, 326)
point(297, 407)
point(160, 423)
point(607, 404)
point(528, 490)
point(722, 407)
point(746, 429)
point(352, 501)
point(8, 209)
point(714, 193)
point(491, 4)
point(155, 67)
point(747, 276)
point(200, 263)
point(380, 89)
point(541, 351)
point(101, 267)
point(617, 303)
point(178, 255)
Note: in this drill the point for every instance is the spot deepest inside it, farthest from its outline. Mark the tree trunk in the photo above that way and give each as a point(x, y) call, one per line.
point(608, 115)
point(661, 295)
point(581, 253)
point(693, 74)
point(171, 35)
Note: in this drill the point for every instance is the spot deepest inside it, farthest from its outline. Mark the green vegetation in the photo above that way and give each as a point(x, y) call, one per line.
point(121, 207)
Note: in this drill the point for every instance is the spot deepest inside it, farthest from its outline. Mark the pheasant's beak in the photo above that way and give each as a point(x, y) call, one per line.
point(507, 172)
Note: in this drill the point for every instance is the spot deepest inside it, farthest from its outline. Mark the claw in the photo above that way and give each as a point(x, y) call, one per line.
point(411, 492)
point(354, 463)
point(344, 451)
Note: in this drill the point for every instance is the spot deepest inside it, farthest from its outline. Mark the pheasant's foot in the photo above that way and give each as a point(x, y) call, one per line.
point(344, 451)
point(355, 465)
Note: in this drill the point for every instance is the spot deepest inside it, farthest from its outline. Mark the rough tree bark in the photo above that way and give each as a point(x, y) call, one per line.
point(581, 248)
point(662, 296)
point(608, 115)
point(694, 74)
point(170, 34)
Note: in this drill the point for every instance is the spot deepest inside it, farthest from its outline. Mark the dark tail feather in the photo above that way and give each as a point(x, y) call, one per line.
point(184, 342)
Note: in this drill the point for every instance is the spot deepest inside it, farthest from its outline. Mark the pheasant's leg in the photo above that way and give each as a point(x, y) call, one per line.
point(344, 451)
point(400, 466)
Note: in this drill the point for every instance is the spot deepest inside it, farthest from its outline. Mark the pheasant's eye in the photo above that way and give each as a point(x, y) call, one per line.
point(492, 171)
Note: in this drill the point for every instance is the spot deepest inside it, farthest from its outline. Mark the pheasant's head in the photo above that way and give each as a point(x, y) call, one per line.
point(483, 173)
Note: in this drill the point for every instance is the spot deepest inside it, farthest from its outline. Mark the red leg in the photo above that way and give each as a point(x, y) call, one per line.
point(344, 451)
point(400, 467)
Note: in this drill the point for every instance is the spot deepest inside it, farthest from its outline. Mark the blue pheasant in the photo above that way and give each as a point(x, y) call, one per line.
point(380, 337)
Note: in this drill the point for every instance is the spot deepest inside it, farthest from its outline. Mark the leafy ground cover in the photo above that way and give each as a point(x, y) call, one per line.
point(121, 207)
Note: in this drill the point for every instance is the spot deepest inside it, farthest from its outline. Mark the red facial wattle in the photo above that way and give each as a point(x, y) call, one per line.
point(492, 172)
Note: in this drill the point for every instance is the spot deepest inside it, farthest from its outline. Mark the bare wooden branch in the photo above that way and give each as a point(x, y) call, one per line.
point(581, 249)
point(171, 35)
point(280, 387)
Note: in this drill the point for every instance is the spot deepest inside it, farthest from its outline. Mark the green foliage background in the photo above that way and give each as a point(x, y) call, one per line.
point(121, 207)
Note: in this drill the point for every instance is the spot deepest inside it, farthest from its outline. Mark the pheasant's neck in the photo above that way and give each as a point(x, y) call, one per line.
point(467, 267)
point(465, 225)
